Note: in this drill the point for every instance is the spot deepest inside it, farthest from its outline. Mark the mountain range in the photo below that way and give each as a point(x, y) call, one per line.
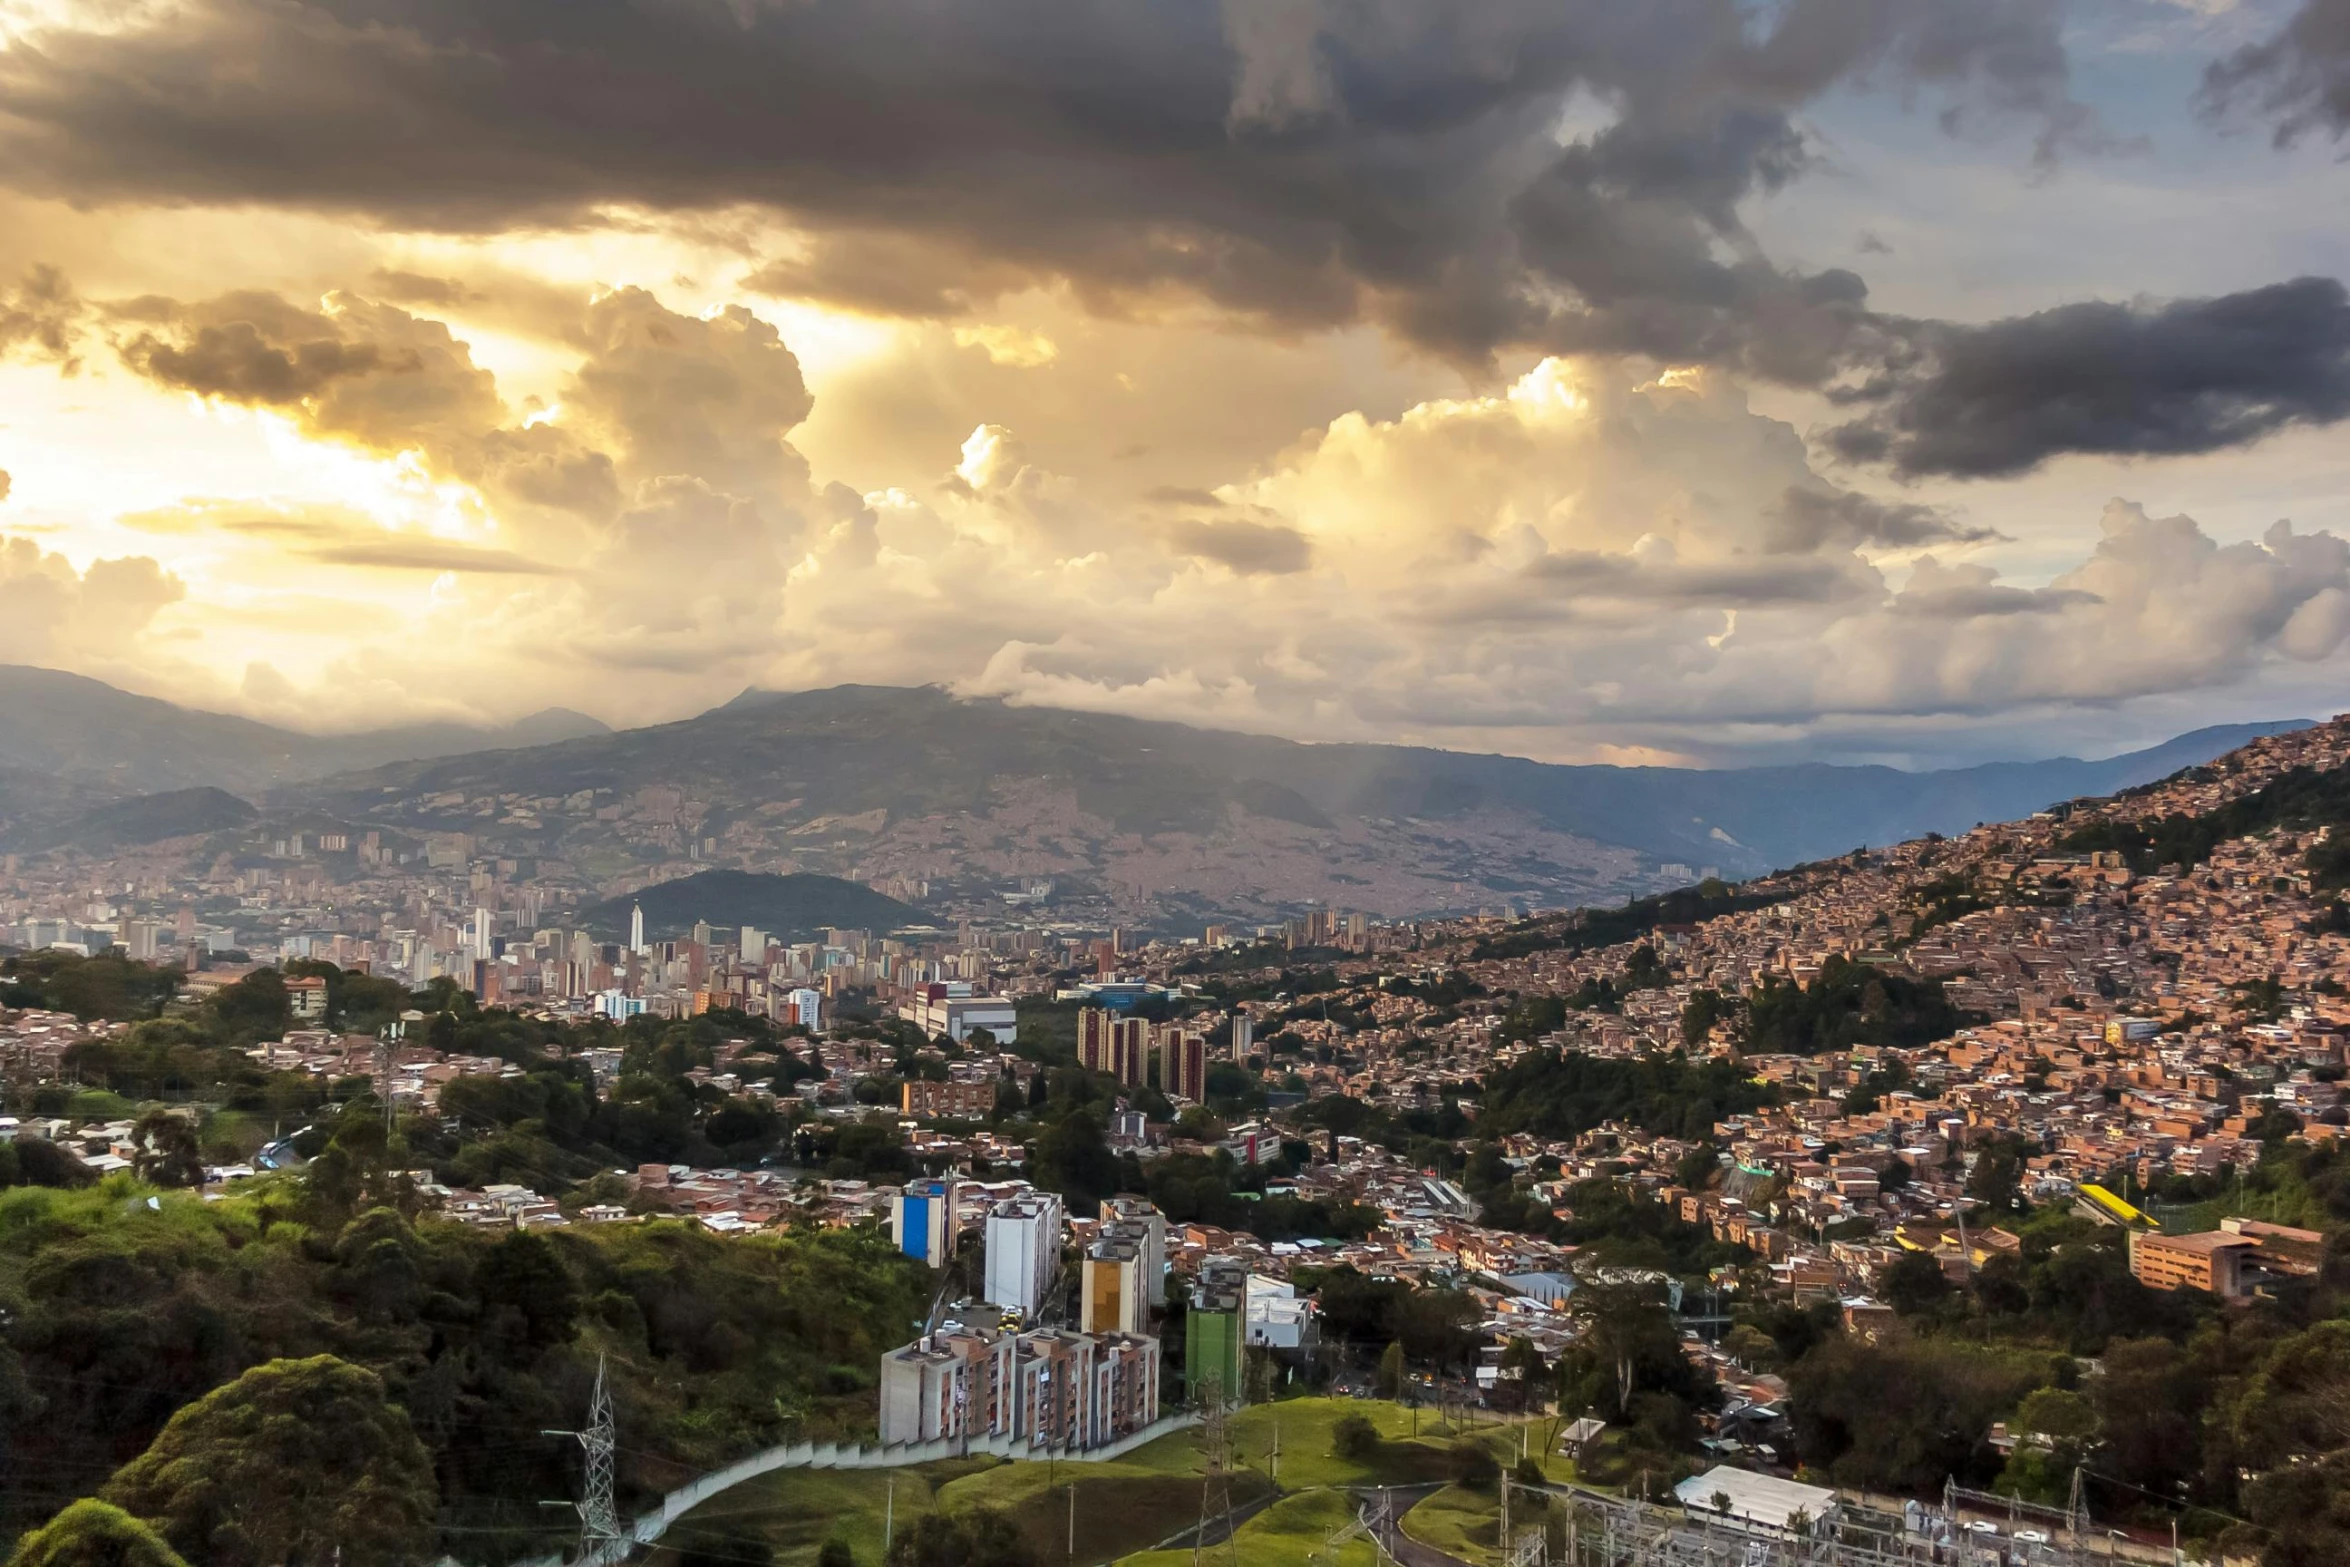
point(790, 908)
point(909, 788)
point(96, 736)
point(69, 744)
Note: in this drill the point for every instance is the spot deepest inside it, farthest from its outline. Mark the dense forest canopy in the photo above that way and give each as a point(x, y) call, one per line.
point(121, 1314)
point(1565, 1093)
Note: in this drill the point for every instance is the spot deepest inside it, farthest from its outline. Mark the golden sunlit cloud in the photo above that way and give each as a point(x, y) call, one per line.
point(1009, 345)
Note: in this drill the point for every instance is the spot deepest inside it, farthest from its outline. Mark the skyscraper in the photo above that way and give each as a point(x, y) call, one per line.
point(636, 927)
point(1117, 1045)
point(1183, 1063)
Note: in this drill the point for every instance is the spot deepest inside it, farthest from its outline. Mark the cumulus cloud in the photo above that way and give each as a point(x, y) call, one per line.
point(353, 370)
point(1592, 555)
point(1244, 547)
point(2192, 375)
point(1809, 517)
point(713, 398)
point(646, 524)
point(51, 613)
point(2299, 78)
point(1581, 560)
point(40, 318)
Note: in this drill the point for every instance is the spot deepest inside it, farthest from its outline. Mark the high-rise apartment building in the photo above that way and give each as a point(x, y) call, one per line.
point(1183, 1063)
point(1111, 1289)
point(1135, 1221)
point(923, 1221)
point(1108, 1042)
point(1058, 1389)
point(1024, 1252)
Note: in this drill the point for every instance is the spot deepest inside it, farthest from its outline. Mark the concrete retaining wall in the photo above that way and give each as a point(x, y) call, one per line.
point(833, 1455)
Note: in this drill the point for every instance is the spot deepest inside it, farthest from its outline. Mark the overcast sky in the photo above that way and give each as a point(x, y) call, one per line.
point(1912, 380)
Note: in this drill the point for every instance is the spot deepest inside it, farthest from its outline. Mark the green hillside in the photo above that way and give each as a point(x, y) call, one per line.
point(794, 907)
point(149, 818)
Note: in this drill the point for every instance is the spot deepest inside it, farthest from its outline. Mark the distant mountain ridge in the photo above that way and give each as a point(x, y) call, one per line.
point(875, 783)
point(96, 737)
point(143, 819)
point(903, 787)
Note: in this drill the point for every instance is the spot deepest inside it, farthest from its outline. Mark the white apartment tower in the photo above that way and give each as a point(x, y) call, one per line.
point(1024, 1253)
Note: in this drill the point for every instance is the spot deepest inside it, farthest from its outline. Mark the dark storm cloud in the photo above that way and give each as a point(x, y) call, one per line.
point(1808, 519)
point(1299, 164)
point(1741, 582)
point(1249, 548)
point(2300, 78)
point(1976, 600)
point(1305, 162)
point(428, 555)
point(238, 361)
point(2190, 376)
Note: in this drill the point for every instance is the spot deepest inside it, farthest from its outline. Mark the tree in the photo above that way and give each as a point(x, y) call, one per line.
point(1390, 1383)
point(1705, 1009)
point(1071, 1158)
point(1696, 1167)
point(1438, 1326)
point(1997, 1178)
point(2151, 1402)
point(1522, 1362)
point(527, 1298)
point(1471, 1465)
point(1354, 1438)
point(973, 1537)
point(255, 1008)
point(836, 1553)
point(1624, 1324)
point(1904, 1412)
point(295, 1461)
point(1913, 1282)
point(91, 1533)
point(167, 1152)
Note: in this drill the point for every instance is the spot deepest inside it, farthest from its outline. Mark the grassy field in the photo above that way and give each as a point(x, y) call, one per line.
point(1467, 1524)
point(1458, 1522)
point(1120, 1507)
point(1306, 1429)
point(797, 1510)
point(1286, 1534)
point(1124, 1507)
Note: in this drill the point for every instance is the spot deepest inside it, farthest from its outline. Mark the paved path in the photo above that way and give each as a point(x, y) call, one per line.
point(1217, 1530)
point(1406, 1550)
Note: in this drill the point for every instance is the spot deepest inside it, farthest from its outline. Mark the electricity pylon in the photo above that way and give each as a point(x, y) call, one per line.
point(600, 1538)
point(1215, 1492)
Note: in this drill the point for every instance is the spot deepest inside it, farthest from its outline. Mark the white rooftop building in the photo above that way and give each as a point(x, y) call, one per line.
point(1758, 1500)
